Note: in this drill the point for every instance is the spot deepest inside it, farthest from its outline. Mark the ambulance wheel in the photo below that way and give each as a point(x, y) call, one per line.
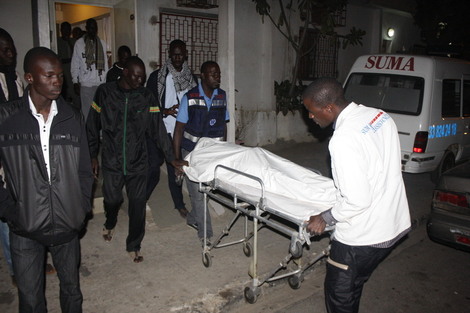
point(206, 259)
point(251, 294)
point(295, 281)
point(447, 162)
point(247, 249)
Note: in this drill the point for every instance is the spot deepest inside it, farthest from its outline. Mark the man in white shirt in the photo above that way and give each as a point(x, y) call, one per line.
point(372, 214)
point(89, 65)
point(168, 85)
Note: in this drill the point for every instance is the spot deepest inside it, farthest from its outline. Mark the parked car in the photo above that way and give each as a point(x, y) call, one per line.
point(449, 222)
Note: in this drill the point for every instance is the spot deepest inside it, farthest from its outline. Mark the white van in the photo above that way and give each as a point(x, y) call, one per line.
point(429, 100)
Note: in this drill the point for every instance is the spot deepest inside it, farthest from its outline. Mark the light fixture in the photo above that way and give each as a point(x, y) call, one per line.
point(390, 32)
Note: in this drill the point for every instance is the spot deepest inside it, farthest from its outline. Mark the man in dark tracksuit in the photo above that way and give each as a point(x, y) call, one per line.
point(126, 113)
point(44, 152)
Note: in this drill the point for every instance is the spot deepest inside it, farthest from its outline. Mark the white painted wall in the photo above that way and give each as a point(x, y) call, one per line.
point(375, 21)
point(252, 54)
point(15, 17)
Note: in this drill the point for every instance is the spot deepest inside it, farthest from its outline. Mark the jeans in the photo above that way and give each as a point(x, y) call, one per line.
point(29, 258)
point(343, 287)
point(113, 198)
point(156, 159)
point(196, 216)
point(5, 237)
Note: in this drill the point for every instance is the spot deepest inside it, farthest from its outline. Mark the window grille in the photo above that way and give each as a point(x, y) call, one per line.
point(199, 4)
point(319, 56)
point(198, 32)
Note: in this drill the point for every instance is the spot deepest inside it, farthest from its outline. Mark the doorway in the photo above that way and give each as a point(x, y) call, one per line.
point(116, 24)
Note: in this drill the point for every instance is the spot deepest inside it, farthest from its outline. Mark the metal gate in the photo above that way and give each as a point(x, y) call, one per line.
point(199, 33)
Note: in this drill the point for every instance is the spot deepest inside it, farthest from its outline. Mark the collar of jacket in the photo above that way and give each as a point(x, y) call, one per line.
point(64, 110)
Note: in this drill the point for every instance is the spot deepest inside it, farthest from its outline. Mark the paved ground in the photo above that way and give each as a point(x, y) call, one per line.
point(172, 277)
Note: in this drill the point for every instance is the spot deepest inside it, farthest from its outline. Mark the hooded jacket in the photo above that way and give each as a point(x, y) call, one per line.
point(51, 211)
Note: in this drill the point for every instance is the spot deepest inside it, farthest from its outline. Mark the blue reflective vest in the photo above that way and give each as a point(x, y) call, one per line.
point(203, 122)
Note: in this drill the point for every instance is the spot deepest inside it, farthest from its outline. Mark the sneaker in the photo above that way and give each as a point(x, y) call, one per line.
point(192, 225)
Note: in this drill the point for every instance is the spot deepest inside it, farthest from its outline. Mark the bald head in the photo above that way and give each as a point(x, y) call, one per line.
point(323, 91)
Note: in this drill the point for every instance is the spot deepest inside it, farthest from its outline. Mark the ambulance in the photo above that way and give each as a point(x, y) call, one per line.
point(428, 98)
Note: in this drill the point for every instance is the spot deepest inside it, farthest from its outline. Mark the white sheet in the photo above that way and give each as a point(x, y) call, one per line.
point(289, 188)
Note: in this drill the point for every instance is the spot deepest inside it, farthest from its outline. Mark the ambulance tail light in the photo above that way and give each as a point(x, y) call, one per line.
point(421, 141)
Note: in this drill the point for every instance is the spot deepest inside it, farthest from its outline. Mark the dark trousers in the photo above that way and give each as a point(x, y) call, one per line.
point(343, 288)
point(29, 257)
point(156, 159)
point(113, 199)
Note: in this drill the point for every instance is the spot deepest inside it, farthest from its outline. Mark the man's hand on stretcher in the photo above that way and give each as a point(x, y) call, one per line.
point(316, 225)
point(178, 165)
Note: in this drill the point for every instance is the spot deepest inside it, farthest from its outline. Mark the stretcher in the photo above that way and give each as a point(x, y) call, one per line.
point(266, 191)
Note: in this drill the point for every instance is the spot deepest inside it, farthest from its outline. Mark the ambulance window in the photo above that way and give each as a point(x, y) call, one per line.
point(391, 93)
point(451, 98)
point(466, 98)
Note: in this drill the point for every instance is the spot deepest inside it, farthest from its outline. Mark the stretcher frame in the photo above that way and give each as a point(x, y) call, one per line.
point(261, 216)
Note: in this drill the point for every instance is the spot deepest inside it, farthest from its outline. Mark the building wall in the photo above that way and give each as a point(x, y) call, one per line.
point(16, 18)
point(252, 54)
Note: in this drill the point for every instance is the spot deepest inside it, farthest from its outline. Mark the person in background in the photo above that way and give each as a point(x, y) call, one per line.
point(372, 214)
point(89, 65)
point(115, 72)
point(65, 49)
point(169, 84)
point(42, 145)
point(126, 113)
point(202, 113)
point(11, 89)
point(77, 33)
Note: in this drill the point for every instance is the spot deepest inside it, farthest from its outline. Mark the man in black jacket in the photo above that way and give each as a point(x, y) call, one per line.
point(169, 84)
point(44, 152)
point(127, 114)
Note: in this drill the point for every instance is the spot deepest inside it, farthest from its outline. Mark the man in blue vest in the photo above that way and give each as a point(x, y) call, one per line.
point(202, 113)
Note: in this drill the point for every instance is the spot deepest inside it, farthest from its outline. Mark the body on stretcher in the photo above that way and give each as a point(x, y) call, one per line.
point(246, 180)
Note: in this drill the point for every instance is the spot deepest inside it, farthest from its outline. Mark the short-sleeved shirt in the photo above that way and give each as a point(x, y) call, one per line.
point(183, 115)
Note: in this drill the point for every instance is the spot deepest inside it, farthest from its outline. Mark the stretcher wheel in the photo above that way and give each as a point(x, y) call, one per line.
point(296, 250)
point(247, 248)
point(206, 259)
point(251, 294)
point(295, 281)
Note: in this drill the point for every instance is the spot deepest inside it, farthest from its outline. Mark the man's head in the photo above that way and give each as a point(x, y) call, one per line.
point(124, 52)
point(65, 30)
point(178, 54)
point(210, 75)
point(43, 72)
point(77, 32)
point(133, 74)
point(324, 100)
point(91, 27)
point(7, 49)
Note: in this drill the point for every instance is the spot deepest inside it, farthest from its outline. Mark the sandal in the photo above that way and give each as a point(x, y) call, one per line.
point(108, 234)
point(183, 212)
point(136, 257)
